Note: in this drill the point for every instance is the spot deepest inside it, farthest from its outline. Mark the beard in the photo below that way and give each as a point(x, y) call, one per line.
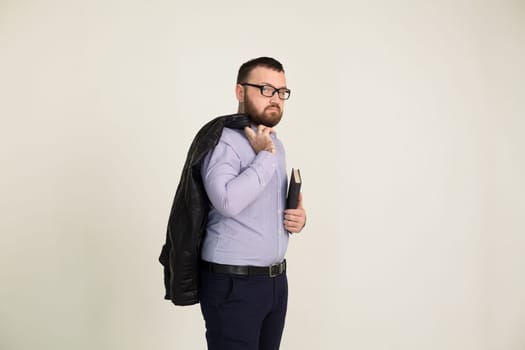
point(268, 117)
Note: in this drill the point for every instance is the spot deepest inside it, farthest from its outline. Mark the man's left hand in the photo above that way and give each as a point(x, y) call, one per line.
point(295, 219)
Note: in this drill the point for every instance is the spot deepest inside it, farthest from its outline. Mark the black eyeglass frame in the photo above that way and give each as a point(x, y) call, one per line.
point(279, 91)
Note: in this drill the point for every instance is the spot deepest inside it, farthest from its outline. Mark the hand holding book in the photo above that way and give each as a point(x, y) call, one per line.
point(295, 215)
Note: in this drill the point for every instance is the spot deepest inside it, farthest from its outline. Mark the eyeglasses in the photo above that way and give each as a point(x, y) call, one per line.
point(269, 91)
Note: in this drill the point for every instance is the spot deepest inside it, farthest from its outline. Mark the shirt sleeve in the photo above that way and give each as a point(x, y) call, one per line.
point(231, 188)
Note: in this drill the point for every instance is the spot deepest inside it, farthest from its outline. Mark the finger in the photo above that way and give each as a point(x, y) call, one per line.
point(250, 134)
point(290, 227)
point(295, 216)
point(291, 217)
point(299, 223)
point(268, 131)
point(294, 212)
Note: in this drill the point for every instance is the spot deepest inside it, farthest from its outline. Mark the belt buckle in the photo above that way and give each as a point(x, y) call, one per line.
point(279, 270)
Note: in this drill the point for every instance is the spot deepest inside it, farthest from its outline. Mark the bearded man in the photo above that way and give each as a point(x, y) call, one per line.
point(243, 288)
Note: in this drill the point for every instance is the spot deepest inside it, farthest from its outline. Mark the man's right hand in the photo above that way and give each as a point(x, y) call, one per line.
point(260, 139)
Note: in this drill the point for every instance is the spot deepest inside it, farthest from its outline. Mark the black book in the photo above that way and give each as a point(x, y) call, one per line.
point(293, 190)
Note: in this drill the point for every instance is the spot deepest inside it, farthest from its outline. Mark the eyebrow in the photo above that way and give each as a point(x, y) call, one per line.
point(266, 83)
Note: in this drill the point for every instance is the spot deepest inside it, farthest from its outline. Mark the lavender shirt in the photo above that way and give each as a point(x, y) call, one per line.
point(247, 192)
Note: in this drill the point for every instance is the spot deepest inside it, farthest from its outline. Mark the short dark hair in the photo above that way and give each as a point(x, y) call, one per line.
point(267, 62)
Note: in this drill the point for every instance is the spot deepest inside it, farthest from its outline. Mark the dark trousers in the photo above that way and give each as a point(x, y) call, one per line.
point(243, 312)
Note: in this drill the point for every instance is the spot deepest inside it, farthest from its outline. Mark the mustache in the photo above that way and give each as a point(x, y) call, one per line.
point(273, 105)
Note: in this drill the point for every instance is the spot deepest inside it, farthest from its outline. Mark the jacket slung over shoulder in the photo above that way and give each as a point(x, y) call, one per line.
point(189, 213)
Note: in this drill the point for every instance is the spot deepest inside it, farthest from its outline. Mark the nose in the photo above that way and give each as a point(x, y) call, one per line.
point(275, 98)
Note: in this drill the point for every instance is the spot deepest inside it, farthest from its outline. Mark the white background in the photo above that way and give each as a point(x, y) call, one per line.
point(406, 119)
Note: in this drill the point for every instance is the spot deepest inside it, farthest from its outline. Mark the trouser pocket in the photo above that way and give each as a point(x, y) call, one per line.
point(215, 288)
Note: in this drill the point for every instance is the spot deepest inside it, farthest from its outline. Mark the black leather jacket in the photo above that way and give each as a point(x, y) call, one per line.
point(180, 254)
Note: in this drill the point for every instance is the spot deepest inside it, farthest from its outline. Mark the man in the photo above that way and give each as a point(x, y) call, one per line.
point(243, 288)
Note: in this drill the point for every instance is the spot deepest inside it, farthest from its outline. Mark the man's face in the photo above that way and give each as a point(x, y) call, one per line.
point(262, 110)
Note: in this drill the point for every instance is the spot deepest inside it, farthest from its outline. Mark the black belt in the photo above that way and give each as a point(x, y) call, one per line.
point(272, 270)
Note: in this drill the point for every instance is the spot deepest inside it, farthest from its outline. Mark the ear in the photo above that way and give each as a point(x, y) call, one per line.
point(239, 93)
